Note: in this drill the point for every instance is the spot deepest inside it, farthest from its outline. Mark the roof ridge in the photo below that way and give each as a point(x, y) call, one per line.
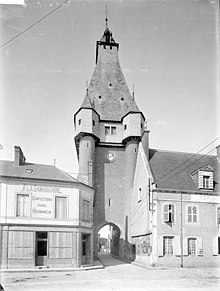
point(178, 152)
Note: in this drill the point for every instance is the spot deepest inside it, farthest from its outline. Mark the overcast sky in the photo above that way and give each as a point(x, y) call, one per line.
point(167, 50)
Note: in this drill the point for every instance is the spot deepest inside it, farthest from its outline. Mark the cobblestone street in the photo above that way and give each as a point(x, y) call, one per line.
point(117, 275)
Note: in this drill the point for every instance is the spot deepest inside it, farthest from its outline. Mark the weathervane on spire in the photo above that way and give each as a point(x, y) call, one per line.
point(106, 19)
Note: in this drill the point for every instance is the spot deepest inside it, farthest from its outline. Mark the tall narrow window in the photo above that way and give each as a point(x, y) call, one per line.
point(192, 214)
point(85, 210)
point(168, 245)
point(192, 246)
point(107, 130)
point(23, 205)
point(113, 130)
point(206, 182)
point(61, 207)
point(168, 213)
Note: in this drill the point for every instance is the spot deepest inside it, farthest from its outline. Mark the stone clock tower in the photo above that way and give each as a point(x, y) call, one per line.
point(109, 127)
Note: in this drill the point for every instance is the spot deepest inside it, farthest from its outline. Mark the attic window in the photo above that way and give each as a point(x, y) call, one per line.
point(100, 97)
point(122, 99)
point(204, 178)
point(110, 84)
point(29, 171)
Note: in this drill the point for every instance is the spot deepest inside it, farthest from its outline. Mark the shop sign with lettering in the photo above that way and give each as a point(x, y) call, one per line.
point(42, 205)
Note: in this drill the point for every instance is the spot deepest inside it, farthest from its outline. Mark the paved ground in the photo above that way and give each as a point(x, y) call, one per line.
point(116, 275)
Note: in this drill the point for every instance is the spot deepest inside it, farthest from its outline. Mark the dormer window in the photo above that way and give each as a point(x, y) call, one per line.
point(203, 178)
point(206, 182)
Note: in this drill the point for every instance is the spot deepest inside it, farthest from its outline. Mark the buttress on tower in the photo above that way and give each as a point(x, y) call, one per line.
point(109, 127)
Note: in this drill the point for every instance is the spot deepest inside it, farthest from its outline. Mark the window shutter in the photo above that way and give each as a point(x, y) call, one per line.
point(185, 246)
point(172, 214)
point(160, 246)
point(177, 250)
point(165, 213)
point(215, 246)
point(199, 247)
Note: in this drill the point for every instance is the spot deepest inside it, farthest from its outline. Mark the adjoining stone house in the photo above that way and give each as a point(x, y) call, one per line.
point(46, 216)
point(175, 215)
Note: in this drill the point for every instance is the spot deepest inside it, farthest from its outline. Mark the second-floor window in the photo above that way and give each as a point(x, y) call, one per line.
point(218, 215)
point(192, 214)
point(85, 210)
point(23, 205)
point(110, 130)
point(61, 207)
point(168, 213)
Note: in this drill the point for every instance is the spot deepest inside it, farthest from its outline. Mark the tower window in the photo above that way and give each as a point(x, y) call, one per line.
point(110, 47)
point(125, 126)
point(79, 121)
point(110, 84)
point(110, 130)
point(93, 122)
point(104, 47)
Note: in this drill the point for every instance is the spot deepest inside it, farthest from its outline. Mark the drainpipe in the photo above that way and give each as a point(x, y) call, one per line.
point(181, 227)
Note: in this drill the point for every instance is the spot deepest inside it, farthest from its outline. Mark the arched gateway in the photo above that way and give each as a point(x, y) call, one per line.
point(109, 127)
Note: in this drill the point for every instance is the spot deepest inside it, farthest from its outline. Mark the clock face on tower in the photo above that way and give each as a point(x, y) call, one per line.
point(110, 157)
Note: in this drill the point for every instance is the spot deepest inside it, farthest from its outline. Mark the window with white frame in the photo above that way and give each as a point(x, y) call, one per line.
point(192, 246)
point(168, 245)
point(168, 213)
point(206, 181)
point(23, 205)
point(60, 207)
point(192, 213)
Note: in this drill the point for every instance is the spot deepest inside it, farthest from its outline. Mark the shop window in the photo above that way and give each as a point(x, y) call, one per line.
point(192, 214)
point(21, 245)
point(168, 245)
point(23, 205)
point(85, 210)
point(60, 245)
point(168, 213)
point(110, 130)
point(61, 207)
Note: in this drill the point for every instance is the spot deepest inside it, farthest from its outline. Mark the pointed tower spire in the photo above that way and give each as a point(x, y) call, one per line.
point(106, 18)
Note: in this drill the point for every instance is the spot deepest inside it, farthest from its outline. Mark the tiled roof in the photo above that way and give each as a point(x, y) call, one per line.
point(163, 162)
point(34, 171)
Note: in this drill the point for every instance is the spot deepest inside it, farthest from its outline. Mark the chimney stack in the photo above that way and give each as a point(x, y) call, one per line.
point(145, 140)
point(19, 158)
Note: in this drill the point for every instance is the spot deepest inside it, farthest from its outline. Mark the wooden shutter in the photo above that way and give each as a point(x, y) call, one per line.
point(177, 249)
point(199, 247)
point(166, 212)
point(160, 246)
point(172, 214)
point(185, 247)
point(215, 246)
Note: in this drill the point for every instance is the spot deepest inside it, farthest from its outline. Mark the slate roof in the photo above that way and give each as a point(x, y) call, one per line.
point(34, 171)
point(162, 162)
point(108, 93)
